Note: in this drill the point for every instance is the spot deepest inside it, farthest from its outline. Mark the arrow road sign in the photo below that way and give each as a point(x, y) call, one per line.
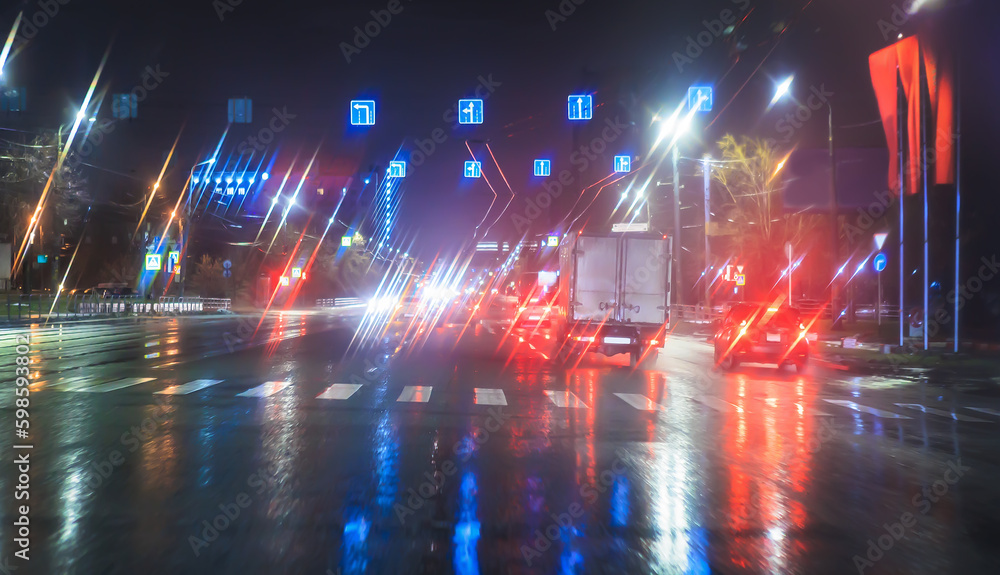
point(227, 273)
point(543, 168)
point(470, 111)
point(473, 169)
point(362, 112)
point(700, 98)
point(397, 169)
point(623, 164)
point(581, 107)
point(880, 262)
point(227, 264)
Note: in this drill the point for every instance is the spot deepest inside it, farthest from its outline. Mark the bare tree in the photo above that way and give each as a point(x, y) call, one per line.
point(753, 214)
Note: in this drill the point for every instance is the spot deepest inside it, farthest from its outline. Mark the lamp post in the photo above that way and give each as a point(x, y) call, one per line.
point(186, 229)
point(782, 89)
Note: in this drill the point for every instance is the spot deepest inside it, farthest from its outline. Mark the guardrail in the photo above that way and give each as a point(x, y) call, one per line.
point(47, 306)
point(340, 302)
point(701, 314)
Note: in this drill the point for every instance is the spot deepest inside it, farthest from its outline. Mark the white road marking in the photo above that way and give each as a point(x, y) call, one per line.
point(416, 394)
point(717, 404)
point(340, 391)
point(865, 409)
point(490, 397)
point(565, 399)
point(189, 387)
point(114, 385)
point(985, 410)
point(941, 412)
point(640, 402)
point(265, 389)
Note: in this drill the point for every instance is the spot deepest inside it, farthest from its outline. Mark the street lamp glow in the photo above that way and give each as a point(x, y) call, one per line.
point(367, 180)
point(265, 176)
point(80, 115)
point(782, 89)
point(274, 201)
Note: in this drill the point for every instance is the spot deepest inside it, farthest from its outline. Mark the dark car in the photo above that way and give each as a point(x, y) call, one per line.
point(757, 333)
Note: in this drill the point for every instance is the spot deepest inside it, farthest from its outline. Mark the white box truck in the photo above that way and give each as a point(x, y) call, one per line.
point(615, 293)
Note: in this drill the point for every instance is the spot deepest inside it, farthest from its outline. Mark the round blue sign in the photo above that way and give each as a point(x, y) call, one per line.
point(880, 262)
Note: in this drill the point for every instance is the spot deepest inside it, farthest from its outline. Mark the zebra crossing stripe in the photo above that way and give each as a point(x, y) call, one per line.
point(114, 385)
point(490, 396)
point(985, 410)
point(717, 404)
point(565, 399)
point(266, 389)
point(640, 402)
point(189, 387)
point(339, 391)
point(416, 394)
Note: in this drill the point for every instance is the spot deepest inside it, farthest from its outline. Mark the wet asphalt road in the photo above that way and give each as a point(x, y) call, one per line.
point(185, 445)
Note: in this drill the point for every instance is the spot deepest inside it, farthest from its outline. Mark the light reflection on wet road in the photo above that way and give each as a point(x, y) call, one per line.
point(254, 463)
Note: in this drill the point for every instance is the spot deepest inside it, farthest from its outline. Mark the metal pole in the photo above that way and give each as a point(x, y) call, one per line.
point(834, 227)
point(677, 229)
point(708, 248)
point(789, 274)
point(958, 186)
point(878, 304)
point(923, 165)
point(902, 211)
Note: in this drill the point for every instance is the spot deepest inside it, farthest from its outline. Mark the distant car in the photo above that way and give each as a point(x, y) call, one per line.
point(757, 333)
point(537, 310)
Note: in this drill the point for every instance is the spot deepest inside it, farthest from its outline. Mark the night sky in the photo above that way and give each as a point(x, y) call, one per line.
point(289, 55)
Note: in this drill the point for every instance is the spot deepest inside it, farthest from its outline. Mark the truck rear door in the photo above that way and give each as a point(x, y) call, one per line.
point(645, 285)
point(596, 278)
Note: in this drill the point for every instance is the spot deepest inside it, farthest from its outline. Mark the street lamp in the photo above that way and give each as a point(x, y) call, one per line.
point(186, 230)
point(784, 88)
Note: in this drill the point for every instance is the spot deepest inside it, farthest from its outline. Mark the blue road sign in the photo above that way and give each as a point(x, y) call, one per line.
point(153, 262)
point(362, 112)
point(240, 111)
point(700, 98)
point(12, 100)
point(473, 169)
point(880, 262)
point(124, 106)
point(397, 169)
point(581, 107)
point(227, 273)
point(470, 111)
point(623, 164)
point(543, 168)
